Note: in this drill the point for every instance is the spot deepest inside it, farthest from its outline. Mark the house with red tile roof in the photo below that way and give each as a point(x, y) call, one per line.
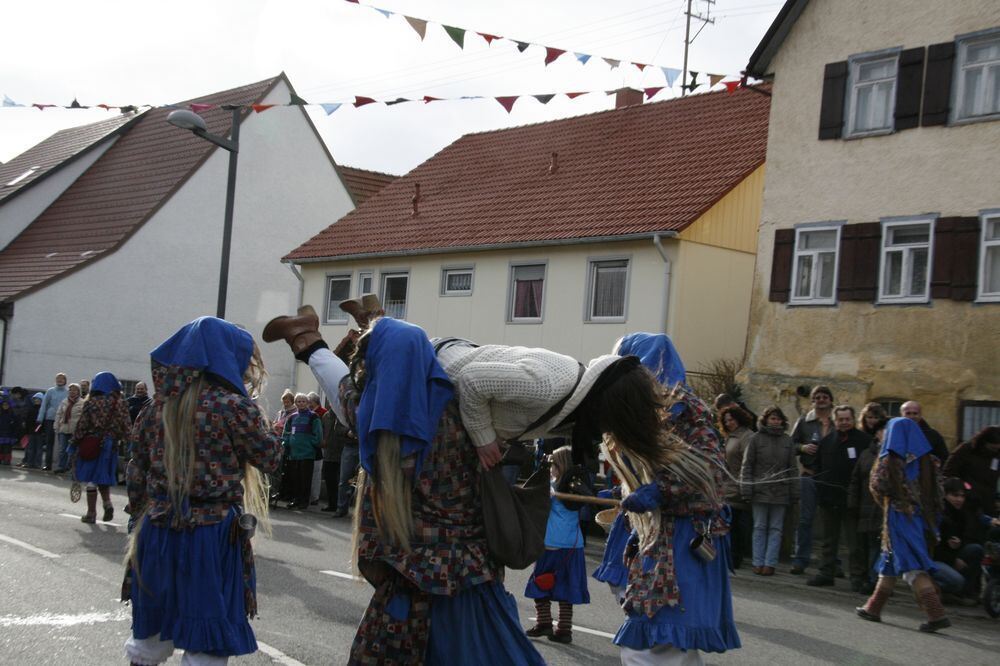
point(111, 233)
point(566, 234)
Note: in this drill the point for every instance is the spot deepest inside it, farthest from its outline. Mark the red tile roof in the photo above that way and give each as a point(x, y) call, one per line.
point(363, 183)
point(116, 195)
point(631, 171)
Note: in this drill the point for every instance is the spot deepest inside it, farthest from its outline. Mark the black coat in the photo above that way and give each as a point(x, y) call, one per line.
point(975, 467)
point(965, 523)
point(938, 447)
point(834, 465)
point(859, 498)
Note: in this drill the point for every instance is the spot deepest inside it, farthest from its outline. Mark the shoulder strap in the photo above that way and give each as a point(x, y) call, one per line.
point(554, 409)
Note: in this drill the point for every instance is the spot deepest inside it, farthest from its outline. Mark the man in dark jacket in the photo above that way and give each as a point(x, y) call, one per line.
point(977, 462)
point(138, 400)
point(810, 432)
point(835, 462)
point(911, 410)
point(866, 513)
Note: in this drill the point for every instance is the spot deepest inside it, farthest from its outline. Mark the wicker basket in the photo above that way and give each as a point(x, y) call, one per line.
point(605, 518)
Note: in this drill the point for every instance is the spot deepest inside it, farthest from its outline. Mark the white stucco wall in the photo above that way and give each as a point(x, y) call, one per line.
point(111, 313)
point(22, 209)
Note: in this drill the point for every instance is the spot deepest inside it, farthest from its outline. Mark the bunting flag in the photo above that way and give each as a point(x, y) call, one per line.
point(652, 91)
point(640, 66)
point(419, 25)
point(731, 86)
point(457, 35)
point(507, 102)
point(330, 108)
point(670, 74)
point(694, 80)
point(582, 58)
point(551, 54)
point(261, 108)
point(428, 99)
point(9, 103)
point(714, 78)
point(521, 46)
point(613, 63)
point(489, 38)
point(360, 101)
point(544, 99)
point(383, 12)
point(297, 101)
point(42, 107)
point(574, 95)
point(198, 108)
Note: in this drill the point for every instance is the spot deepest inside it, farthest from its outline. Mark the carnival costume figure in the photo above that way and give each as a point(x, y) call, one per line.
point(103, 423)
point(196, 489)
point(905, 483)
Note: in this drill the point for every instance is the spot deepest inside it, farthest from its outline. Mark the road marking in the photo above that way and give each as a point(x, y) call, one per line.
point(62, 620)
point(277, 655)
point(99, 522)
point(339, 574)
point(28, 546)
point(584, 630)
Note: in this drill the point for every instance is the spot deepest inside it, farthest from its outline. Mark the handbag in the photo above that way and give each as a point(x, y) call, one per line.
point(702, 547)
point(515, 517)
point(546, 581)
point(89, 447)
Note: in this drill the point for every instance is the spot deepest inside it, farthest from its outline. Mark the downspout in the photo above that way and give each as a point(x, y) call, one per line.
point(302, 288)
point(667, 270)
point(3, 346)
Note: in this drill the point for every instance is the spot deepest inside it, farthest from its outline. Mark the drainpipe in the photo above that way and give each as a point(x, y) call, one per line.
point(302, 288)
point(667, 269)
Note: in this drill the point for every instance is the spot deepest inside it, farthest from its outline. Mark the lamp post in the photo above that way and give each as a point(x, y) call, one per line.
point(190, 120)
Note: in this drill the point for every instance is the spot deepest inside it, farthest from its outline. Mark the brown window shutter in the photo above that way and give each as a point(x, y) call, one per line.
point(831, 112)
point(956, 258)
point(857, 271)
point(937, 84)
point(781, 266)
point(909, 86)
point(944, 257)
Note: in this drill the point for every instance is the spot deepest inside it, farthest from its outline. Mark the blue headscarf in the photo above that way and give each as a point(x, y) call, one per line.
point(905, 438)
point(209, 344)
point(38, 396)
point(105, 382)
point(406, 390)
point(657, 353)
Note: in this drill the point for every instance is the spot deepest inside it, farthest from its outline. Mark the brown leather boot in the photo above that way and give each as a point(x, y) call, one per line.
point(929, 600)
point(872, 610)
point(300, 332)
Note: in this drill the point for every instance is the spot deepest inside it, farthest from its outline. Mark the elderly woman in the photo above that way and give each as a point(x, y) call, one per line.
point(103, 422)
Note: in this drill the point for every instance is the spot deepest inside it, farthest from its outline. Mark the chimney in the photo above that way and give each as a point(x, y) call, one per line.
point(416, 199)
point(554, 164)
point(627, 97)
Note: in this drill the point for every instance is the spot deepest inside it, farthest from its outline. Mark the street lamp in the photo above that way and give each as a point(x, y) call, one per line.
point(189, 120)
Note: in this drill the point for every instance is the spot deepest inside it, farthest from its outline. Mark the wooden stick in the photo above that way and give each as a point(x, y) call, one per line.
point(587, 499)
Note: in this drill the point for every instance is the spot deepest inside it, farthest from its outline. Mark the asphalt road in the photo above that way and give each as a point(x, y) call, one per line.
point(60, 580)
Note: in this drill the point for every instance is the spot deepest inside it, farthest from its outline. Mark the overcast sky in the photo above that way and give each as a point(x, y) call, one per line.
point(126, 52)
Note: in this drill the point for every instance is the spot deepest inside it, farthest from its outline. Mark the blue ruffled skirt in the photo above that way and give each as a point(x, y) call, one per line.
point(909, 549)
point(612, 569)
point(491, 631)
point(703, 620)
point(570, 568)
point(189, 589)
point(102, 470)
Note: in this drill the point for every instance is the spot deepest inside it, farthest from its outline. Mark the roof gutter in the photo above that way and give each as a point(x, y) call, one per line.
point(484, 248)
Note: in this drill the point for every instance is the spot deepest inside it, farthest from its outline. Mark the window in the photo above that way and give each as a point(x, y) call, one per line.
point(814, 271)
point(607, 290)
point(128, 386)
point(905, 266)
point(366, 282)
point(977, 92)
point(989, 259)
point(890, 405)
point(526, 290)
point(976, 415)
point(394, 288)
point(456, 281)
point(338, 288)
point(871, 94)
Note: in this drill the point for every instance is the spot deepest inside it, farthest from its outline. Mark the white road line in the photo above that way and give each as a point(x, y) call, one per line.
point(339, 574)
point(584, 630)
point(99, 522)
point(60, 620)
point(277, 655)
point(28, 546)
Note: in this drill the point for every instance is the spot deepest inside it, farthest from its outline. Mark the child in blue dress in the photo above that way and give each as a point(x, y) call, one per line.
point(563, 559)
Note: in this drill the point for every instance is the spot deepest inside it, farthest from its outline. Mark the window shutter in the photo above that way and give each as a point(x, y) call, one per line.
point(831, 112)
point(857, 272)
point(781, 266)
point(956, 258)
point(909, 86)
point(937, 84)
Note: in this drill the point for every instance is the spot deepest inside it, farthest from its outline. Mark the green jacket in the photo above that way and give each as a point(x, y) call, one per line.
point(303, 435)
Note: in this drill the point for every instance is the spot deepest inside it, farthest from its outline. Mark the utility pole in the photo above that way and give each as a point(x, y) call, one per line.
point(689, 40)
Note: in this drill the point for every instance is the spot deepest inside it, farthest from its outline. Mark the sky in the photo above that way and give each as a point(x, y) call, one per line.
point(124, 52)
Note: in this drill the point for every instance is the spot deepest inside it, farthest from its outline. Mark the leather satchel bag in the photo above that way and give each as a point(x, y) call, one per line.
point(515, 517)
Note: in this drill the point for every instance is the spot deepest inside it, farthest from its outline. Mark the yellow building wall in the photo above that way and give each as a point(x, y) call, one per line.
point(732, 222)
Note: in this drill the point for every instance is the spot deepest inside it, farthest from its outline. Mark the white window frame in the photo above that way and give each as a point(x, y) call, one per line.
point(448, 270)
point(511, 319)
point(334, 315)
point(985, 217)
point(362, 274)
point(887, 224)
point(853, 65)
point(962, 43)
point(593, 263)
point(383, 277)
point(813, 298)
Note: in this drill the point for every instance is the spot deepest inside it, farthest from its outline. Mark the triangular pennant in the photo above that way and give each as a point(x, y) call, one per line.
point(419, 25)
point(457, 35)
point(295, 100)
point(507, 102)
point(641, 66)
point(428, 99)
point(76, 105)
point(731, 86)
point(489, 38)
point(42, 107)
point(552, 53)
point(354, 1)
point(670, 74)
point(330, 108)
point(544, 99)
point(384, 12)
point(361, 101)
point(106, 107)
point(652, 91)
point(260, 108)
point(694, 80)
point(582, 57)
point(522, 46)
point(574, 95)
point(198, 108)
point(398, 100)
point(613, 63)
point(8, 102)
point(714, 78)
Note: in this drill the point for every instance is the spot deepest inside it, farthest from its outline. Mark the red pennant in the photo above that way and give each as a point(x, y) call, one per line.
point(42, 107)
point(354, 1)
point(428, 99)
point(260, 108)
point(106, 107)
point(361, 101)
point(731, 86)
point(640, 66)
point(575, 95)
point(198, 108)
point(507, 102)
point(552, 53)
point(489, 38)
point(651, 91)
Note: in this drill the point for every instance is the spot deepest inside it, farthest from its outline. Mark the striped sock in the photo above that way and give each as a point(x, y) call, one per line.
point(565, 617)
point(543, 613)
